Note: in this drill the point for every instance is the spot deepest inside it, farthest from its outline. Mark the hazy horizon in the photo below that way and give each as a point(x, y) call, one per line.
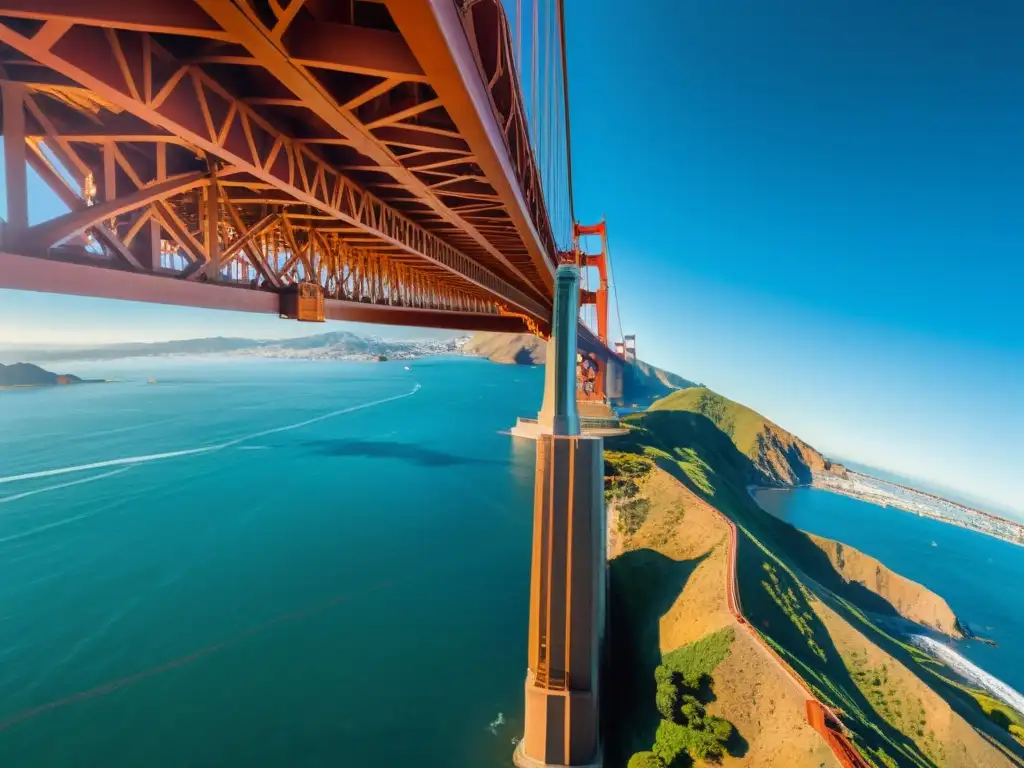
point(400, 333)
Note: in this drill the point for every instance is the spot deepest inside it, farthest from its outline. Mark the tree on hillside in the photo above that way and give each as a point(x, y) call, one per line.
point(645, 760)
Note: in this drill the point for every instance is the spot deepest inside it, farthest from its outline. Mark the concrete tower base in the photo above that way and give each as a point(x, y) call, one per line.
point(567, 605)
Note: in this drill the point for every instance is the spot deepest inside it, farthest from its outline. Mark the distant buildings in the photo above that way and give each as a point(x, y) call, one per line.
point(885, 494)
point(359, 349)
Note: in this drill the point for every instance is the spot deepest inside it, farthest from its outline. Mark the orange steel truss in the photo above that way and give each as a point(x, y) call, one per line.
point(363, 146)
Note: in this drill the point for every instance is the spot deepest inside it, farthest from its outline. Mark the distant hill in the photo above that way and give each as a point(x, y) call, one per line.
point(643, 382)
point(511, 348)
point(779, 457)
point(214, 345)
point(28, 375)
point(337, 342)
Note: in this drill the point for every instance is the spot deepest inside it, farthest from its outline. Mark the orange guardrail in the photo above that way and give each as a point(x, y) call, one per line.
point(820, 716)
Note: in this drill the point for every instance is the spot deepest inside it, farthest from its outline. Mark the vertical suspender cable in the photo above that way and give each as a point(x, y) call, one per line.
point(565, 99)
point(614, 286)
point(534, 48)
point(519, 34)
point(545, 136)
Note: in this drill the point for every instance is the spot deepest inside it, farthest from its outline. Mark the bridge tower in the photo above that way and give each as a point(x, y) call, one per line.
point(599, 297)
point(567, 580)
point(607, 384)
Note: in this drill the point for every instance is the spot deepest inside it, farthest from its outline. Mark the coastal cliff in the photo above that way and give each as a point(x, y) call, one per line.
point(911, 600)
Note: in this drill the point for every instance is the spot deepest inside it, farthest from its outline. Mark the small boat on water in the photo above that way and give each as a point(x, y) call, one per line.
point(151, 381)
point(408, 368)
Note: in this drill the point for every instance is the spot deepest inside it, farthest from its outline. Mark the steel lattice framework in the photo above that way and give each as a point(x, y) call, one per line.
point(376, 148)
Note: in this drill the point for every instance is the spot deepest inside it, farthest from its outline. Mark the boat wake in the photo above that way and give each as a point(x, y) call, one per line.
point(131, 460)
point(988, 683)
point(17, 496)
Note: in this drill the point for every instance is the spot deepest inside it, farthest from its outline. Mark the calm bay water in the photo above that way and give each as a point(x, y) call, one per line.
point(978, 575)
point(265, 563)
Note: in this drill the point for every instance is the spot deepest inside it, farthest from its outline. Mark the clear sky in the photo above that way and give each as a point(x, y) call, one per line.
point(815, 208)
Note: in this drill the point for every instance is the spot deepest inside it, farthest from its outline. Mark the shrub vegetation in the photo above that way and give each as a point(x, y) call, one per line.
point(687, 732)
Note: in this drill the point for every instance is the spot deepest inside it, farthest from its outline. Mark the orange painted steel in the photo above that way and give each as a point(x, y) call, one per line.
point(455, 49)
point(598, 298)
point(379, 150)
point(820, 716)
point(339, 143)
point(69, 278)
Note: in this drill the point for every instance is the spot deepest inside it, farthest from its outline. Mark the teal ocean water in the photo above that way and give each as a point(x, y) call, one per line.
point(978, 575)
point(255, 562)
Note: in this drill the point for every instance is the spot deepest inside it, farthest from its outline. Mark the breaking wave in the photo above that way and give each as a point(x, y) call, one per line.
point(988, 683)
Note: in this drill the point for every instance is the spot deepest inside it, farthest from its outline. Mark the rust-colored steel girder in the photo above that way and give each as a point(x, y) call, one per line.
point(131, 73)
point(279, 59)
point(235, 147)
point(31, 274)
point(444, 43)
point(140, 198)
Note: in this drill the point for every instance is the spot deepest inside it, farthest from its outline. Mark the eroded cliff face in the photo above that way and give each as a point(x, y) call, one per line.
point(910, 599)
point(784, 458)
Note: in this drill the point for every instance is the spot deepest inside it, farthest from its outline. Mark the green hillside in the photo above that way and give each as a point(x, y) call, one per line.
point(897, 702)
point(779, 457)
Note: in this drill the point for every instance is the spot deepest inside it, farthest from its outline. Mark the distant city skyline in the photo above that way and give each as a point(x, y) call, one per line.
point(814, 212)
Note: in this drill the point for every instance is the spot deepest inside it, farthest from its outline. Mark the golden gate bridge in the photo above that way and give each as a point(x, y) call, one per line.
point(404, 162)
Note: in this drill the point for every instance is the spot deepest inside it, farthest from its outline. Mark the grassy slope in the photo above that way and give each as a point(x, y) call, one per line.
point(745, 424)
point(779, 457)
point(668, 592)
point(795, 598)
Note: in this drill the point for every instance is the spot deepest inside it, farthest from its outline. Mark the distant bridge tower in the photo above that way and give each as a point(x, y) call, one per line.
point(598, 297)
point(629, 348)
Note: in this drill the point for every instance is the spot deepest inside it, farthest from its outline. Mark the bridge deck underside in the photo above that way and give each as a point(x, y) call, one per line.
point(377, 148)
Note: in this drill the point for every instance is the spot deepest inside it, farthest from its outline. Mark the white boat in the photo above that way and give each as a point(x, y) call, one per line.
point(408, 368)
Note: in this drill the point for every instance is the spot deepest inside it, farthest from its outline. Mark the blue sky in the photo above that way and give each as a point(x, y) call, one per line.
point(815, 208)
point(818, 210)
